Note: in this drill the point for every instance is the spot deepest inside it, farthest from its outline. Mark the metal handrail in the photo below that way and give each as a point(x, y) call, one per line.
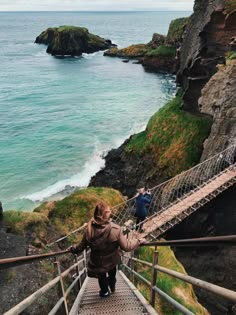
point(20, 307)
point(17, 261)
point(129, 265)
point(226, 293)
point(203, 241)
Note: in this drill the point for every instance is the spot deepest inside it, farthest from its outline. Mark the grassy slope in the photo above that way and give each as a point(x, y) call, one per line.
point(63, 216)
point(177, 289)
point(174, 137)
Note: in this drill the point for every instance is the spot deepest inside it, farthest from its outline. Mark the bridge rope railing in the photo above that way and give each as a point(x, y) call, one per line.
point(130, 263)
point(177, 188)
point(171, 191)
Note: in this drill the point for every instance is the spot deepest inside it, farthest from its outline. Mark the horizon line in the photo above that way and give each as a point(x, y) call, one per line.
point(80, 11)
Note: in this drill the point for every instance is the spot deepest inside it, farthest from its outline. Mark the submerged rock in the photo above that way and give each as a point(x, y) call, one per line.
point(71, 41)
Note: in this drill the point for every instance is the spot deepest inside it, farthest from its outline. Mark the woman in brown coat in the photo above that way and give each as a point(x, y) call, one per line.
point(106, 241)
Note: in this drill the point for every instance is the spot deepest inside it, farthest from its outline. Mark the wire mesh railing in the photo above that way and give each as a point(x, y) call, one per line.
point(172, 191)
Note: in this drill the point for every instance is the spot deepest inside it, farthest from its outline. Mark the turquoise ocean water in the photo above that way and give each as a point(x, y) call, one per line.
point(59, 116)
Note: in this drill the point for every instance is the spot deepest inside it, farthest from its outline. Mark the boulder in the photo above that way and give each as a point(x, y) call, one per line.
point(71, 41)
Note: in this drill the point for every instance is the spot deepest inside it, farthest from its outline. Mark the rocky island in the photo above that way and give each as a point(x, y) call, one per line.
point(72, 41)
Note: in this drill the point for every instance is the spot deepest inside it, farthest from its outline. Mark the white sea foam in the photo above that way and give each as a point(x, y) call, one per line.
point(90, 56)
point(81, 179)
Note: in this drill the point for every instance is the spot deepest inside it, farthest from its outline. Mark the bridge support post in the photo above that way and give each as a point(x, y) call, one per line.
point(154, 276)
point(62, 286)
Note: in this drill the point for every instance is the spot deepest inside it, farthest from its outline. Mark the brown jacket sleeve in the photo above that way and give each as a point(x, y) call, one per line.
point(81, 246)
point(126, 244)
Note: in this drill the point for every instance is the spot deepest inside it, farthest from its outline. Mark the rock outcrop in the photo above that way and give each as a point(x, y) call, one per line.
point(159, 55)
point(71, 41)
point(207, 38)
point(219, 100)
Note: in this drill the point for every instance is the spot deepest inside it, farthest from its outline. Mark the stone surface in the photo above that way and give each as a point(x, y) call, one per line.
point(218, 99)
point(206, 40)
point(71, 41)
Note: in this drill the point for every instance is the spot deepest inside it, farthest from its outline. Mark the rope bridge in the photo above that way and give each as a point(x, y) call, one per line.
point(175, 199)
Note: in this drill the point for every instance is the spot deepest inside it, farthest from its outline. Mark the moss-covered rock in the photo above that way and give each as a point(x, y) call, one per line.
point(133, 51)
point(176, 30)
point(174, 137)
point(71, 41)
point(55, 219)
point(73, 211)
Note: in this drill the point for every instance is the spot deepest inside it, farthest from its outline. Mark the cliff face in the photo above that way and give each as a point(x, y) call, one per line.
point(219, 100)
point(207, 39)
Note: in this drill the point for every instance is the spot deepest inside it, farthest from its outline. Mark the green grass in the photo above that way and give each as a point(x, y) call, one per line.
point(176, 29)
point(162, 50)
point(174, 138)
point(231, 55)
point(73, 211)
point(230, 5)
point(19, 221)
point(177, 289)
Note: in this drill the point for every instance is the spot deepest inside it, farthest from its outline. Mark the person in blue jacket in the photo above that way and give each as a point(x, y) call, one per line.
point(143, 199)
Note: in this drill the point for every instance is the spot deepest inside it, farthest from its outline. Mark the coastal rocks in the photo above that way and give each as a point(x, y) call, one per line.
point(126, 171)
point(159, 55)
point(157, 62)
point(218, 99)
point(206, 40)
point(131, 52)
point(71, 41)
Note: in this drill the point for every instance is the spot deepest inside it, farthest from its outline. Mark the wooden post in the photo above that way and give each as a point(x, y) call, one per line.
point(62, 286)
point(154, 276)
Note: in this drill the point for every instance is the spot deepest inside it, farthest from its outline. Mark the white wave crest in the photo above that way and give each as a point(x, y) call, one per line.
point(81, 179)
point(90, 56)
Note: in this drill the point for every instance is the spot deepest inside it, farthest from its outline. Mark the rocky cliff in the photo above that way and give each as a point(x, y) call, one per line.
point(218, 99)
point(206, 40)
point(71, 41)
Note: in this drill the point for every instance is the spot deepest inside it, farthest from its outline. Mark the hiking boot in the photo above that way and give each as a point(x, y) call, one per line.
point(104, 295)
point(112, 288)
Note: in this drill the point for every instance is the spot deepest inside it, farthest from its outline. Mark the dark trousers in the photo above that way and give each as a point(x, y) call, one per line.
point(139, 220)
point(105, 281)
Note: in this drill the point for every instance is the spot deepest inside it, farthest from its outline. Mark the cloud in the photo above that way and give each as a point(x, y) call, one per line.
point(95, 5)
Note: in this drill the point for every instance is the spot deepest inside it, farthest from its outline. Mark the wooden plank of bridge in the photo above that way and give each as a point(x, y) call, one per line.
point(126, 300)
point(160, 219)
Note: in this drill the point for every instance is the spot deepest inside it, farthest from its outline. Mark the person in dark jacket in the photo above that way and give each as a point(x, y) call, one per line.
point(106, 241)
point(143, 199)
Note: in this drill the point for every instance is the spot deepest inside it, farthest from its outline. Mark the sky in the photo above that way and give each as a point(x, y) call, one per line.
point(95, 5)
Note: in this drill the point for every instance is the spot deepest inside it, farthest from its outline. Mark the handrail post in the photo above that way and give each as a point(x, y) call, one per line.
point(62, 286)
point(154, 276)
point(132, 266)
point(77, 271)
